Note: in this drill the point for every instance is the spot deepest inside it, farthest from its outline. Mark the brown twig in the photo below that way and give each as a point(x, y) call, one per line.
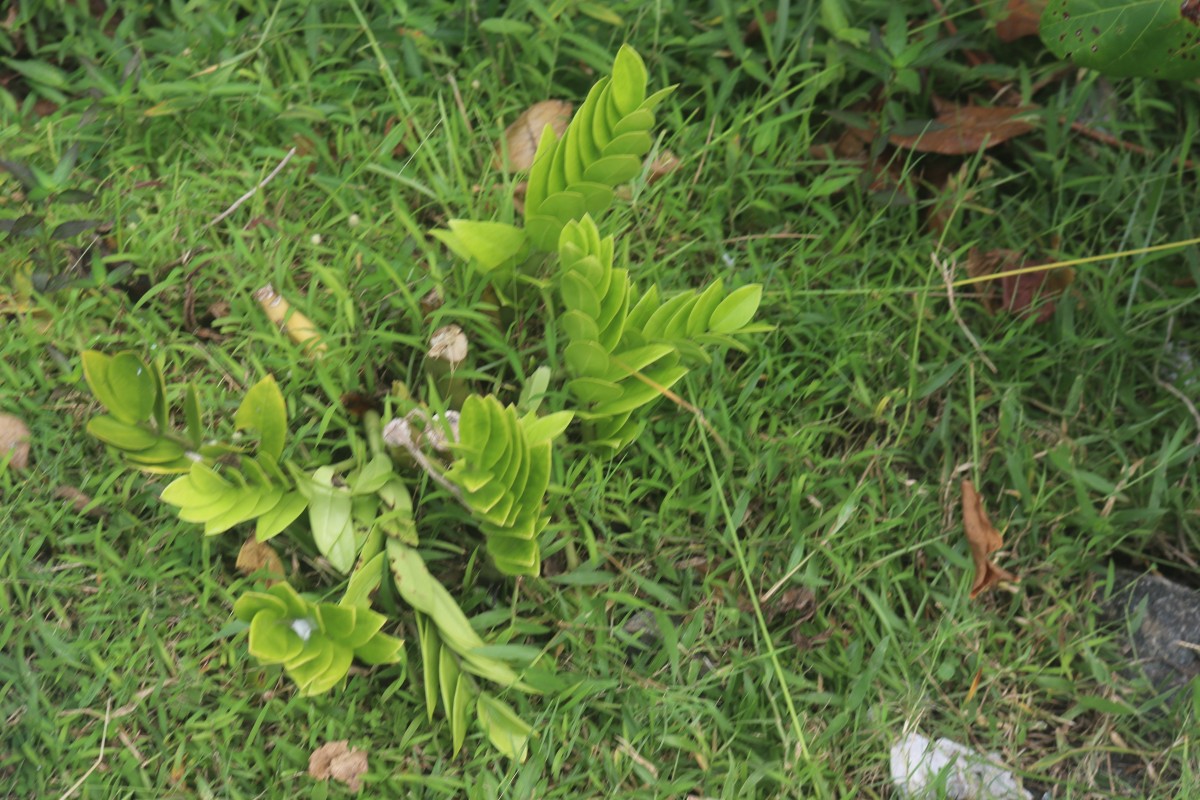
point(237, 203)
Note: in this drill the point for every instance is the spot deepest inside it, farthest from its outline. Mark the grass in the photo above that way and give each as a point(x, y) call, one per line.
point(843, 434)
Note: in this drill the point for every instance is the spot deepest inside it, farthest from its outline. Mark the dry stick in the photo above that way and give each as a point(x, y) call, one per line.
point(458, 101)
point(237, 203)
point(948, 276)
point(1183, 398)
point(1140, 251)
point(1113, 141)
point(99, 759)
point(677, 400)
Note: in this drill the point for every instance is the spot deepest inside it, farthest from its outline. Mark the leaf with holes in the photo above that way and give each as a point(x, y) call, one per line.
point(1126, 38)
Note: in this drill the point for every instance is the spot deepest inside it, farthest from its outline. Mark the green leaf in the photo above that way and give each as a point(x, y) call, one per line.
point(381, 649)
point(457, 714)
point(251, 603)
point(161, 452)
point(431, 649)
point(736, 310)
point(40, 72)
point(363, 582)
point(507, 732)
point(133, 388)
point(534, 389)
point(263, 411)
point(273, 522)
point(1123, 38)
point(448, 675)
point(121, 435)
point(614, 170)
point(272, 640)
point(628, 80)
point(329, 516)
point(376, 473)
point(505, 27)
point(488, 245)
point(192, 413)
point(161, 416)
point(544, 429)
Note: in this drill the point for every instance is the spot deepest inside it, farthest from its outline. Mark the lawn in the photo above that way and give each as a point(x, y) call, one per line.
point(771, 584)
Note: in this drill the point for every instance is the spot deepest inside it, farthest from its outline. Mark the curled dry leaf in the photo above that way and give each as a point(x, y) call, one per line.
point(256, 555)
point(522, 137)
point(666, 163)
point(963, 130)
point(448, 344)
point(299, 328)
point(14, 440)
point(336, 760)
point(983, 539)
point(1021, 19)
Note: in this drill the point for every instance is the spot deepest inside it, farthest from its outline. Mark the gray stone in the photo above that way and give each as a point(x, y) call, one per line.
point(1162, 620)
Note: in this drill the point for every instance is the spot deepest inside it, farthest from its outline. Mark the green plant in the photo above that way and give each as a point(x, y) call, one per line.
point(1143, 38)
point(624, 351)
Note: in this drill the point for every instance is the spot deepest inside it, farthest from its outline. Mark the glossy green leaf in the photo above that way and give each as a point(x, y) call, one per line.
point(161, 452)
point(736, 310)
point(272, 640)
point(381, 649)
point(121, 435)
point(133, 388)
point(487, 245)
point(547, 428)
point(329, 516)
point(263, 411)
point(273, 522)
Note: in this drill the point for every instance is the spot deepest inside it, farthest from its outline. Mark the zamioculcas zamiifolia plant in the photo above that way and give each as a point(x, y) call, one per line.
point(622, 351)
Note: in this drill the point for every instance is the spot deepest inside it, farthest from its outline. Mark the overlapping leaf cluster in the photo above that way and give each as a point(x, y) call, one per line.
point(623, 358)
point(603, 147)
point(315, 642)
point(138, 426)
point(503, 469)
point(450, 649)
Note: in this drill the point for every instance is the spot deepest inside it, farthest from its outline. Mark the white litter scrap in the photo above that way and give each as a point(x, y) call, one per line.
point(927, 769)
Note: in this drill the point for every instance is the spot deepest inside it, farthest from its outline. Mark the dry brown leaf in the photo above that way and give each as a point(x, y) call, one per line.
point(336, 760)
point(256, 555)
point(664, 165)
point(1021, 19)
point(1029, 295)
point(14, 439)
point(522, 137)
point(79, 501)
point(965, 129)
point(983, 539)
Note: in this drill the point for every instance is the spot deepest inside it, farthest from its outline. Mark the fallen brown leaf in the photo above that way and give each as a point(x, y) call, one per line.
point(336, 760)
point(664, 165)
point(965, 129)
point(983, 539)
point(256, 555)
point(522, 137)
point(14, 440)
point(1021, 19)
point(79, 501)
point(1029, 295)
